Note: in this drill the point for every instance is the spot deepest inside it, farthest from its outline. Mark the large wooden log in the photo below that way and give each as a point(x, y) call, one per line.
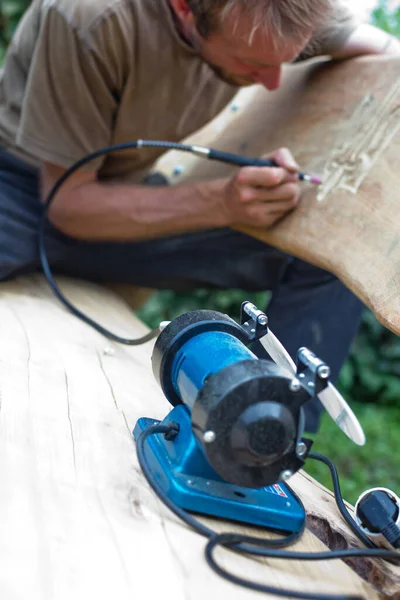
point(342, 121)
point(77, 518)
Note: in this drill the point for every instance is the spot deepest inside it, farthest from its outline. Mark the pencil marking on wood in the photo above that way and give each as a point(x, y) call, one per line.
point(108, 382)
point(28, 358)
point(113, 394)
point(69, 418)
point(369, 132)
point(127, 425)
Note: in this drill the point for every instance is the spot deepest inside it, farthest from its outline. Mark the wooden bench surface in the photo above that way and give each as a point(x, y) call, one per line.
point(77, 518)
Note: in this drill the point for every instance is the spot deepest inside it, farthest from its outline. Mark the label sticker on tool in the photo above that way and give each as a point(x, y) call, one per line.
point(277, 490)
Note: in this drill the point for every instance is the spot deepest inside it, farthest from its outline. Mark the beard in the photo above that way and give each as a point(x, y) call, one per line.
point(225, 76)
point(228, 77)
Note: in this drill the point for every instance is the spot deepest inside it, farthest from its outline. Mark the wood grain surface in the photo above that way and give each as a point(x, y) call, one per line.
point(77, 518)
point(342, 121)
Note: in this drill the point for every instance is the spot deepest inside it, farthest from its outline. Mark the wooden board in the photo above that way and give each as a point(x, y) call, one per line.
point(77, 518)
point(341, 120)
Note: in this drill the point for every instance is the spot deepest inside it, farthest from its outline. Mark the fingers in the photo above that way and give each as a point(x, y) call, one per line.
point(261, 176)
point(284, 158)
point(273, 208)
point(286, 170)
point(264, 176)
point(260, 196)
point(261, 214)
point(285, 192)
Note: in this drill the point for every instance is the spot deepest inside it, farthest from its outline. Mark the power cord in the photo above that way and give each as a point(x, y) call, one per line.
point(262, 547)
point(377, 512)
point(339, 499)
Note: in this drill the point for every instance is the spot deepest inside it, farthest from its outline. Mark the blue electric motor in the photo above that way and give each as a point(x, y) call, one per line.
point(244, 413)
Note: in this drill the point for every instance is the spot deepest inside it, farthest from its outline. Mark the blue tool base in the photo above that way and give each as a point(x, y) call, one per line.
point(182, 471)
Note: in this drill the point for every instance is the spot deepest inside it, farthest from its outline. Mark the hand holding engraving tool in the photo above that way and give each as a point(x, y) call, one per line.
point(246, 161)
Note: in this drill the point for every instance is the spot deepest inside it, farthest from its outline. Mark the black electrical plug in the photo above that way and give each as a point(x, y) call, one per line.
point(378, 514)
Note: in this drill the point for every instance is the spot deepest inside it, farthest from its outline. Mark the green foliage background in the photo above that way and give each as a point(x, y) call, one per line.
point(370, 380)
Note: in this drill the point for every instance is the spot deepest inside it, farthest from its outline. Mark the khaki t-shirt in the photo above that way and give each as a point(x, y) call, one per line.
point(83, 74)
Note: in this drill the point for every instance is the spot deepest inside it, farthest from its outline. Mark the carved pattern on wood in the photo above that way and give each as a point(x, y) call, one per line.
point(370, 130)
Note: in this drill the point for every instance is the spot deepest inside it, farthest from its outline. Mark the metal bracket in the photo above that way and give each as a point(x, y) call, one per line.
point(312, 373)
point(253, 321)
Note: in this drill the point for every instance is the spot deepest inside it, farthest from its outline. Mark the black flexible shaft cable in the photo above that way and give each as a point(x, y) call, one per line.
point(208, 153)
point(42, 229)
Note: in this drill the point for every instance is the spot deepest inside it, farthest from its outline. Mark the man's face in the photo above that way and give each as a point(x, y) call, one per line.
point(240, 58)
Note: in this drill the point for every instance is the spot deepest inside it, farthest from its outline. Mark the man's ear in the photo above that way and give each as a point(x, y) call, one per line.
point(183, 12)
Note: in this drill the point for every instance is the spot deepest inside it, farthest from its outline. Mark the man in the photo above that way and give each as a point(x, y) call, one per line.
point(80, 75)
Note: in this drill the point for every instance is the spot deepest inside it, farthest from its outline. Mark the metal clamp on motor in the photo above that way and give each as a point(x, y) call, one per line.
point(253, 321)
point(313, 374)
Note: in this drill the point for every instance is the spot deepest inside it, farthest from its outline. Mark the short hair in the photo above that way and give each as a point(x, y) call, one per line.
point(282, 18)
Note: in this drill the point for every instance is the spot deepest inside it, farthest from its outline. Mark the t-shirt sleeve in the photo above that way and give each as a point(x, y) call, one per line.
point(332, 35)
point(71, 95)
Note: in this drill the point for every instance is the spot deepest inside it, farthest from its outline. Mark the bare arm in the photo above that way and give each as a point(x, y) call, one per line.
point(367, 39)
point(88, 209)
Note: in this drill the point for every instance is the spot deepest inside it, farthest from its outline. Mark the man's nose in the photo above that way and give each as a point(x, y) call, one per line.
point(269, 78)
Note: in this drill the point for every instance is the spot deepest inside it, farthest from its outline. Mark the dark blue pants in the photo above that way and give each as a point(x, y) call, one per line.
point(309, 306)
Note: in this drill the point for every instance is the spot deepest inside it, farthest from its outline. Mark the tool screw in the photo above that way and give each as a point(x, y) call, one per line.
point(294, 385)
point(209, 437)
point(262, 319)
point(301, 449)
point(324, 371)
point(285, 475)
